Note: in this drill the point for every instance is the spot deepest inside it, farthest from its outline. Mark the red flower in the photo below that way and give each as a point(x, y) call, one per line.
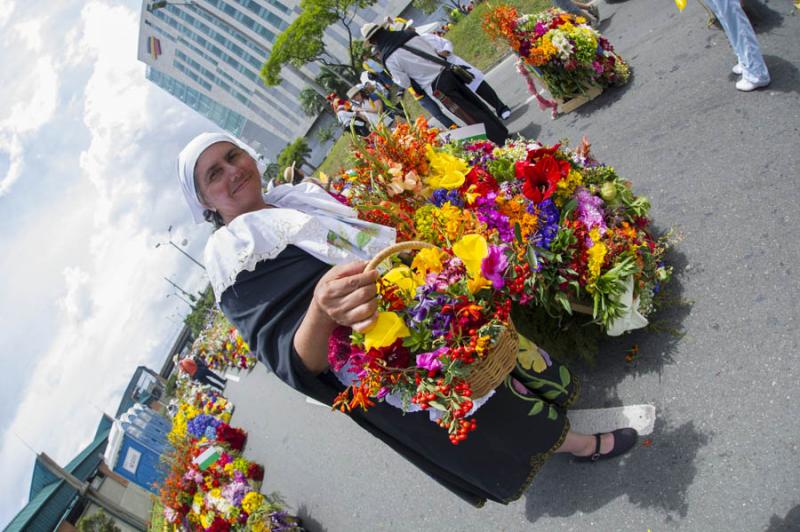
point(534, 155)
point(219, 525)
point(255, 472)
point(483, 181)
point(541, 178)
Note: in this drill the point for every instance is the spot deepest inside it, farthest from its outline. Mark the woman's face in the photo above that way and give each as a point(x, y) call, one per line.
point(228, 181)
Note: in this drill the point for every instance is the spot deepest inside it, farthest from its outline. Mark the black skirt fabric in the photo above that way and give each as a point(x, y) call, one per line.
point(518, 428)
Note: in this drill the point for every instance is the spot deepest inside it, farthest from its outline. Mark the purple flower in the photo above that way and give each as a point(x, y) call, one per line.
point(430, 361)
point(590, 210)
point(494, 266)
point(540, 29)
point(598, 68)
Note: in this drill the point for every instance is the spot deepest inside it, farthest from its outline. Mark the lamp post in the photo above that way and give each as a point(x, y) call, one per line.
point(171, 243)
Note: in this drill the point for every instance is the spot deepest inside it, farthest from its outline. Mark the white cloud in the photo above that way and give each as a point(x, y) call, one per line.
point(88, 264)
point(11, 146)
point(6, 10)
point(29, 33)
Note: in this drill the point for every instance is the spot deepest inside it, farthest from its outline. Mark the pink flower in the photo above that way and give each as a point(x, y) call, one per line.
point(494, 266)
point(430, 361)
point(597, 67)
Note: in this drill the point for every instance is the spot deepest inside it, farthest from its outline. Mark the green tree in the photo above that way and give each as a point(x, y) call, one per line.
point(197, 318)
point(311, 102)
point(97, 522)
point(297, 152)
point(302, 42)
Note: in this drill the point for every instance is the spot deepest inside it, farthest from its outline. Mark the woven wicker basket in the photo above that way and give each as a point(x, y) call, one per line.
point(487, 373)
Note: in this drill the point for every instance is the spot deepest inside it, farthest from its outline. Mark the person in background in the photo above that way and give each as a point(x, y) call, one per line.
point(400, 51)
point(198, 371)
point(371, 108)
point(478, 85)
point(586, 10)
point(743, 40)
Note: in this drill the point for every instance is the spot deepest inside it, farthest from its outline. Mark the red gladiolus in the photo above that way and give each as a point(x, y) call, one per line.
point(534, 155)
point(541, 178)
point(483, 181)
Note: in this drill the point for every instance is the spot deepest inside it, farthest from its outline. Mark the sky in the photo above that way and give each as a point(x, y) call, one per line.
point(87, 189)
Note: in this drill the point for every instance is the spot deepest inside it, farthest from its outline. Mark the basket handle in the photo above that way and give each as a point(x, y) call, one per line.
point(393, 250)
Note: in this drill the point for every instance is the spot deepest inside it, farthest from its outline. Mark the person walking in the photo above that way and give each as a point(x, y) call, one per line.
point(743, 40)
point(198, 371)
point(407, 55)
point(478, 85)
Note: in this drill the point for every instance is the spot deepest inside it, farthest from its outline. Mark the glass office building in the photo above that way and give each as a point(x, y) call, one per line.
point(208, 53)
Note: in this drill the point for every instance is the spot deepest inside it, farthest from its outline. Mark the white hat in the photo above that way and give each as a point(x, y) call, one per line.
point(369, 29)
point(187, 160)
point(352, 91)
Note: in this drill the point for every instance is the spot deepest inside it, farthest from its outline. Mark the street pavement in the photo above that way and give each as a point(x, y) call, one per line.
point(721, 167)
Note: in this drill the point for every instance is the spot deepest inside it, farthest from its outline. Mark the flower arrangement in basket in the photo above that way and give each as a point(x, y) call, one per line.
point(575, 230)
point(443, 335)
point(566, 53)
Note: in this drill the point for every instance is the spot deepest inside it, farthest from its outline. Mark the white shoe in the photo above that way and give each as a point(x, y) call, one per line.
point(737, 69)
point(747, 86)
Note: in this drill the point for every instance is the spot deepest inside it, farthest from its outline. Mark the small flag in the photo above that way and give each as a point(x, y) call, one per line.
point(207, 458)
point(467, 133)
point(153, 47)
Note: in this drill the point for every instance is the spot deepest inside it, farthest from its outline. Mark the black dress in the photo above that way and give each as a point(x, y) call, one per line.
point(518, 428)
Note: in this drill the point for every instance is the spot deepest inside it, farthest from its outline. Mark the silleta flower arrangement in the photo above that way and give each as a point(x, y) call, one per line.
point(220, 346)
point(567, 54)
point(540, 226)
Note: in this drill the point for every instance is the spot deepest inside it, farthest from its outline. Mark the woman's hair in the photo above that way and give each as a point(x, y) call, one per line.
point(214, 218)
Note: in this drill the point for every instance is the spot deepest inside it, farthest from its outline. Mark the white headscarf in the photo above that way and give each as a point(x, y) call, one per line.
point(187, 160)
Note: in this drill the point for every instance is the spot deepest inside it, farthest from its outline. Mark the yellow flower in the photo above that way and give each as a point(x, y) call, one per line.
point(597, 255)
point(472, 249)
point(402, 278)
point(447, 171)
point(428, 260)
point(252, 502)
point(386, 330)
point(206, 519)
point(566, 188)
point(476, 283)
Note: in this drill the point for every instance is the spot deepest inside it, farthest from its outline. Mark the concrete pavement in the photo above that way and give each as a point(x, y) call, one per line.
point(722, 168)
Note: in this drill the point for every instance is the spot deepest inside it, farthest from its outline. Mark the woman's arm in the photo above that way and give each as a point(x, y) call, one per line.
point(346, 295)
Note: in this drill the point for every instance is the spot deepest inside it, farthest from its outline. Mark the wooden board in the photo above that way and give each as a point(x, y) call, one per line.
point(567, 106)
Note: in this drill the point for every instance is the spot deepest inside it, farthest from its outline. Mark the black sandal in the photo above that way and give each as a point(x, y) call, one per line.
point(624, 441)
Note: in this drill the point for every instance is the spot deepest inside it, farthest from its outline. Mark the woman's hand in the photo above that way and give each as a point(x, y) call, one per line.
point(348, 296)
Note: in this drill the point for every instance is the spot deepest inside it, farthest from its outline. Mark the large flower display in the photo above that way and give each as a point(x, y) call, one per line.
point(220, 346)
point(566, 53)
point(540, 226)
point(211, 486)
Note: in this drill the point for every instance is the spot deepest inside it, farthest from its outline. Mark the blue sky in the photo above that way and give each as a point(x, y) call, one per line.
point(87, 188)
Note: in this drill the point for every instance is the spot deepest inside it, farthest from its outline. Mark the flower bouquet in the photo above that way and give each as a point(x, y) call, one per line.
point(568, 55)
point(443, 334)
point(574, 230)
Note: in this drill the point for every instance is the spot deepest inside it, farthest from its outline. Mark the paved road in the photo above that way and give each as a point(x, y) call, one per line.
point(720, 166)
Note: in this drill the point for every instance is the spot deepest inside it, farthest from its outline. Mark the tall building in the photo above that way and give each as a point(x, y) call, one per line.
point(208, 53)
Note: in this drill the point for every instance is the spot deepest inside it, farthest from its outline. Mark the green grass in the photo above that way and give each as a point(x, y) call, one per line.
point(156, 517)
point(471, 42)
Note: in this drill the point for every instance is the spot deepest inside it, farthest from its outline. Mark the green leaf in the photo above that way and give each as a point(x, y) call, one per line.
point(518, 233)
point(552, 414)
point(535, 384)
point(530, 255)
point(563, 372)
point(537, 407)
point(437, 405)
point(552, 394)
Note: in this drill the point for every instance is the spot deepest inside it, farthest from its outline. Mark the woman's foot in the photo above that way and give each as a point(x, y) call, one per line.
point(608, 445)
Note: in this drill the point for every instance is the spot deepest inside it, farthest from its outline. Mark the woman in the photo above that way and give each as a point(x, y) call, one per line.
point(287, 269)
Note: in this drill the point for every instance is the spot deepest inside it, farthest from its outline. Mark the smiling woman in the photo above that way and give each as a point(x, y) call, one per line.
point(288, 268)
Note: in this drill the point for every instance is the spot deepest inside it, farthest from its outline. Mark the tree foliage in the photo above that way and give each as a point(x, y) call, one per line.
point(311, 102)
point(297, 152)
point(302, 42)
point(97, 522)
point(196, 320)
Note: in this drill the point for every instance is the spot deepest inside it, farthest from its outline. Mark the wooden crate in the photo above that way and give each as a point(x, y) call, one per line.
point(567, 106)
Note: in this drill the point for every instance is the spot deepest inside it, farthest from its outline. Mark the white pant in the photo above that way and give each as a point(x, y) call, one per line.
point(742, 38)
